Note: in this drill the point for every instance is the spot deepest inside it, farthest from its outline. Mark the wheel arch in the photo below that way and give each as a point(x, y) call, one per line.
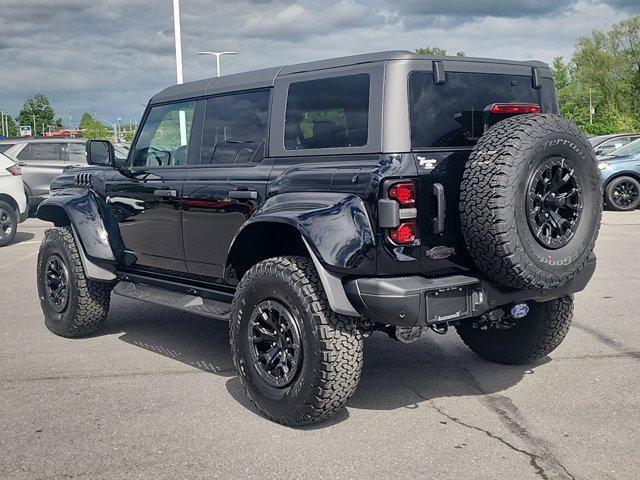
point(97, 234)
point(10, 200)
point(623, 173)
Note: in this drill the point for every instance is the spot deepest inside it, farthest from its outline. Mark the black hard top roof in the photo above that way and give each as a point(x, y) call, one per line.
point(266, 77)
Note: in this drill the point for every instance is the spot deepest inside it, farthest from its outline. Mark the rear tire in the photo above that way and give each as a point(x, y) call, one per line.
point(280, 312)
point(8, 223)
point(533, 337)
point(622, 194)
point(73, 305)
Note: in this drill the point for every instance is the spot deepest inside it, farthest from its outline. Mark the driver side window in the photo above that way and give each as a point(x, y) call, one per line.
point(164, 139)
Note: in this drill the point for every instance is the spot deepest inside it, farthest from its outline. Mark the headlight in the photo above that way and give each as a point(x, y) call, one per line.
point(603, 165)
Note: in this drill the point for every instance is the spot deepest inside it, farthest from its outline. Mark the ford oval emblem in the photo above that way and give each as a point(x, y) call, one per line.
point(519, 310)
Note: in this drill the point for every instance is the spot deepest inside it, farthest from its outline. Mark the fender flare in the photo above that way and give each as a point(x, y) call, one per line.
point(336, 230)
point(96, 232)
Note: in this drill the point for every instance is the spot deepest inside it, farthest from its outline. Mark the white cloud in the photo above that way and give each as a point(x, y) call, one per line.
point(115, 54)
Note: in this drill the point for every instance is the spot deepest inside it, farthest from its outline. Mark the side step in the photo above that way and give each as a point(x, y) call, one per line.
point(205, 307)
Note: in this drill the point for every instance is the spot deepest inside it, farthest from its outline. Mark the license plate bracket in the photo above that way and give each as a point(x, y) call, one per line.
point(447, 304)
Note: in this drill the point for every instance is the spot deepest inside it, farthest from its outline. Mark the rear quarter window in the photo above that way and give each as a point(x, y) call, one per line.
point(452, 114)
point(328, 113)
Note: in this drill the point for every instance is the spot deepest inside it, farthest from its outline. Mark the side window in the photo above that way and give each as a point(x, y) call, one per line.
point(327, 113)
point(164, 139)
point(77, 153)
point(25, 153)
point(6, 146)
point(44, 151)
point(235, 128)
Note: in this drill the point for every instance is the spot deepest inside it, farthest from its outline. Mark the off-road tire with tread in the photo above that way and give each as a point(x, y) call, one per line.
point(88, 303)
point(493, 194)
point(533, 337)
point(332, 343)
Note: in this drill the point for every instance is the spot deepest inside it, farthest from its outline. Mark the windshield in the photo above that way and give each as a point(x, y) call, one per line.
point(629, 149)
point(597, 140)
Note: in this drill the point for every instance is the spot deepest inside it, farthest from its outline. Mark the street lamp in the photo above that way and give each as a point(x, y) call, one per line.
point(217, 55)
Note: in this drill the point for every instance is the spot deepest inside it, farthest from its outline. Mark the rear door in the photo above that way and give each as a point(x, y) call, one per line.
point(447, 118)
point(146, 199)
point(40, 162)
point(228, 183)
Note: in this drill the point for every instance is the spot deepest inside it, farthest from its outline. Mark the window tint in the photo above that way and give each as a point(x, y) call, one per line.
point(164, 139)
point(235, 128)
point(77, 153)
point(6, 146)
point(452, 114)
point(40, 151)
point(328, 113)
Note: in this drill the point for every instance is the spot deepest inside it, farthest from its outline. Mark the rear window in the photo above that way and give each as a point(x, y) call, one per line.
point(5, 146)
point(328, 113)
point(452, 114)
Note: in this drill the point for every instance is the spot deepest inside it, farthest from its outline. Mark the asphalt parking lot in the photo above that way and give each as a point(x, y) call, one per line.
point(154, 395)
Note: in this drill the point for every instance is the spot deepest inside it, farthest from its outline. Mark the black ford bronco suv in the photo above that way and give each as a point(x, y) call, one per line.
point(312, 204)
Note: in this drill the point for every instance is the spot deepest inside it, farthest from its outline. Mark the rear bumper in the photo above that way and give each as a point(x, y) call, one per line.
point(416, 301)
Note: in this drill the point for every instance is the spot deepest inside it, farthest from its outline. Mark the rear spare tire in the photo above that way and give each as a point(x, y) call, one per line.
point(531, 201)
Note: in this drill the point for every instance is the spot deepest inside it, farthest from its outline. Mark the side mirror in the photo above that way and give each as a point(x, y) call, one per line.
point(100, 152)
point(600, 152)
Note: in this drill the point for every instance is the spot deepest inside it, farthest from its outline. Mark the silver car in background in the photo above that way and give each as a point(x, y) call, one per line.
point(43, 159)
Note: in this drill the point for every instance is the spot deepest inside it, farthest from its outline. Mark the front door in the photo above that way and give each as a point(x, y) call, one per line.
point(146, 198)
point(229, 184)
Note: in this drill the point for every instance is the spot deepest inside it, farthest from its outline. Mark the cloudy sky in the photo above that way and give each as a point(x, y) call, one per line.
point(112, 55)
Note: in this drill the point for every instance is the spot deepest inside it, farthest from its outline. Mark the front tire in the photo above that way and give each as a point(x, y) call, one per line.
point(73, 305)
point(533, 337)
point(8, 223)
point(297, 360)
point(623, 194)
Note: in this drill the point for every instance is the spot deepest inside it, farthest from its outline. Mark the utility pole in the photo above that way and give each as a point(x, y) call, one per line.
point(34, 126)
point(590, 109)
point(217, 55)
point(3, 131)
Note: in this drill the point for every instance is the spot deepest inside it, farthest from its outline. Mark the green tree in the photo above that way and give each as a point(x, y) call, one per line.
point(13, 128)
point(85, 120)
point(436, 52)
point(37, 110)
point(432, 51)
point(604, 71)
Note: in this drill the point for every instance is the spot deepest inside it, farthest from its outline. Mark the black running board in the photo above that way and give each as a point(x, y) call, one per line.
point(206, 307)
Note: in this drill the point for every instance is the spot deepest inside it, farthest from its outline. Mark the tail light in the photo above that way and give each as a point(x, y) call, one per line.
point(14, 170)
point(405, 233)
point(400, 212)
point(404, 193)
point(514, 108)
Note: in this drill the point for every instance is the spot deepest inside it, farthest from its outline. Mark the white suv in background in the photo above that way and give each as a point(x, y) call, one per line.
point(13, 201)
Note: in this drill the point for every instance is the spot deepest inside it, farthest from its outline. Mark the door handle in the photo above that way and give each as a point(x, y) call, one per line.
point(243, 194)
point(165, 193)
point(438, 222)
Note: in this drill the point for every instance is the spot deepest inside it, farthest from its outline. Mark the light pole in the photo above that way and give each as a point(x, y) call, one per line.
point(115, 130)
point(182, 119)
point(217, 55)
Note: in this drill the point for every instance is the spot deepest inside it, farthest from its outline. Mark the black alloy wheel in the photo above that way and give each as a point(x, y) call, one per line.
point(625, 194)
point(275, 339)
point(554, 203)
point(57, 283)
